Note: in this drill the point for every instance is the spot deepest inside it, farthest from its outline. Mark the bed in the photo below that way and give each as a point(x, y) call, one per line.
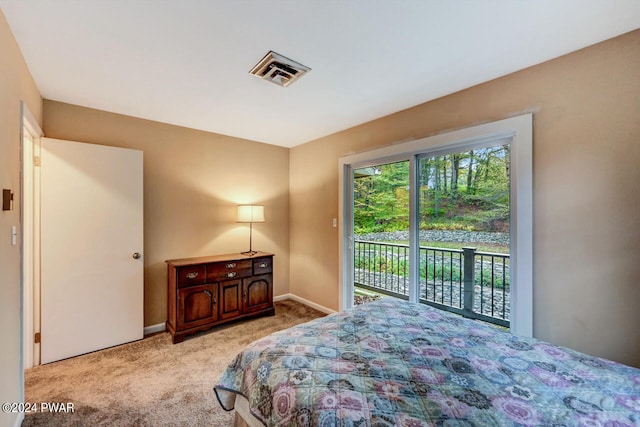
point(394, 363)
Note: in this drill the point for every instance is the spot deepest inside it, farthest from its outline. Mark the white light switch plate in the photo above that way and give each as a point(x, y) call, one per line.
point(14, 235)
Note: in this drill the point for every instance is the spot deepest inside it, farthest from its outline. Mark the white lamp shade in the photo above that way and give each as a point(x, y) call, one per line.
point(250, 213)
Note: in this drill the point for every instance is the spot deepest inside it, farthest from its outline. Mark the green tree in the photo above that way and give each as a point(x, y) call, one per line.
point(468, 189)
point(381, 198)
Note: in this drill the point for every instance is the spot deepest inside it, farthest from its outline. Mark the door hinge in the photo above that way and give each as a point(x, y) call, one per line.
point(36, 161)
point(36, 338)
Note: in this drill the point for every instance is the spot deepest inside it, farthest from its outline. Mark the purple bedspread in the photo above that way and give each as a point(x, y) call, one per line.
point(394, 363)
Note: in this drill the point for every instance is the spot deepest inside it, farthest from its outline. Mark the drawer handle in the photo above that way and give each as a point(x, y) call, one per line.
point(231, 265)
point(214, 302)
point(262, 265)
point(192, 275)
point(232, 274)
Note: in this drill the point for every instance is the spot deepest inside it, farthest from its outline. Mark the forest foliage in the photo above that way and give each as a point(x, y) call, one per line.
point(459, 191)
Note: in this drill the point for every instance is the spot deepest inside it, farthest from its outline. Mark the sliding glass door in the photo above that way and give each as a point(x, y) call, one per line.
point(465, 198)
point(434, 227)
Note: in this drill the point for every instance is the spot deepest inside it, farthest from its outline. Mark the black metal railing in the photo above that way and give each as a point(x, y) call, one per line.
point(466, 281)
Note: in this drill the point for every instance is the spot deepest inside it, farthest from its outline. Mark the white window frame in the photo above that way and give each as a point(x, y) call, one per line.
point(519, 131)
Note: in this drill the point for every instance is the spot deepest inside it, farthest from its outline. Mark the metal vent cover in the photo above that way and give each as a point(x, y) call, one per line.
point(279, 69)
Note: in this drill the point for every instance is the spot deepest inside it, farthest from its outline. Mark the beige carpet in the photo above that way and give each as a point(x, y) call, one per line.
point(151, 382)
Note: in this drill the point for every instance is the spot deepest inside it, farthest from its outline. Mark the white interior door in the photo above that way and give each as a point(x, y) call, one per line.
point(92, 217)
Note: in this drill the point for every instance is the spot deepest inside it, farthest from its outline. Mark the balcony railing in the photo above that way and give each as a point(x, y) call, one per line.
point(465, 281)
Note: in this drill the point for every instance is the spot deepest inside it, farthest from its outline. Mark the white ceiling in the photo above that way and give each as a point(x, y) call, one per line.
point(187, 62)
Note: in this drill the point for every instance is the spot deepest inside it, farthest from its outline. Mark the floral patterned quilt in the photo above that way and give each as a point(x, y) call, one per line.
point(394, 363)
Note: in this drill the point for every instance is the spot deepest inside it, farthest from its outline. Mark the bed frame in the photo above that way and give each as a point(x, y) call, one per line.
point(243, 417)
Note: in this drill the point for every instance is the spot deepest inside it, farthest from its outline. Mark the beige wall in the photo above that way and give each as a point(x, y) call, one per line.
point(193, 181)
point(586, 153)
point(16, 84)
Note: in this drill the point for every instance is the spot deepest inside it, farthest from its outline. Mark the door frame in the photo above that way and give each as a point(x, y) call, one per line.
point(519, 130)
point(29, 251)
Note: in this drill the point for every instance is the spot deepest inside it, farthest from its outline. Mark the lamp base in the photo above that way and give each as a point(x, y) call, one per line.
point(249, 253)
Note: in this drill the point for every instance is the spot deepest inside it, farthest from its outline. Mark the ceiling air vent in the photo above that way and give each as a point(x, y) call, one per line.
point(279, 69)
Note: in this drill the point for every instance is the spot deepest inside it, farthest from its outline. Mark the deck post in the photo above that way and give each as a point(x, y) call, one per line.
point(469, 278)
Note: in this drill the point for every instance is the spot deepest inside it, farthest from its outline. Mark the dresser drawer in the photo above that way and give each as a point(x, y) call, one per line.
point(191, 275)
point(228, 270)
point(262, 265)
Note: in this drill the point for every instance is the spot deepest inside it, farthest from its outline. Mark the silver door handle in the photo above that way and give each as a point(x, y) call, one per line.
point(137, 255)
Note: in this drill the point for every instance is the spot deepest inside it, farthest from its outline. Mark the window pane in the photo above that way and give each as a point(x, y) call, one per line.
point(381, 230)
point(464, 203)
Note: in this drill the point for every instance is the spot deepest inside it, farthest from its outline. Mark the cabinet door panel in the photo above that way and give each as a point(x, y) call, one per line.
point(258, 292)
point(197, 305)
point(230, 299)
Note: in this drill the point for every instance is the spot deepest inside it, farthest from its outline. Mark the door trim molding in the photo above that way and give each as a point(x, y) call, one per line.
point(28, 267)
point(520, 130)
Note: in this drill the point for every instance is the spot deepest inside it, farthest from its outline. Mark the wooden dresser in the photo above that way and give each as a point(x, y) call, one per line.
point(207, 291)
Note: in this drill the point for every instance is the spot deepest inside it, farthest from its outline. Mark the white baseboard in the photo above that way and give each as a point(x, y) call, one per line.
point(19, 420)
point(305, 302)
point(160, 327)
